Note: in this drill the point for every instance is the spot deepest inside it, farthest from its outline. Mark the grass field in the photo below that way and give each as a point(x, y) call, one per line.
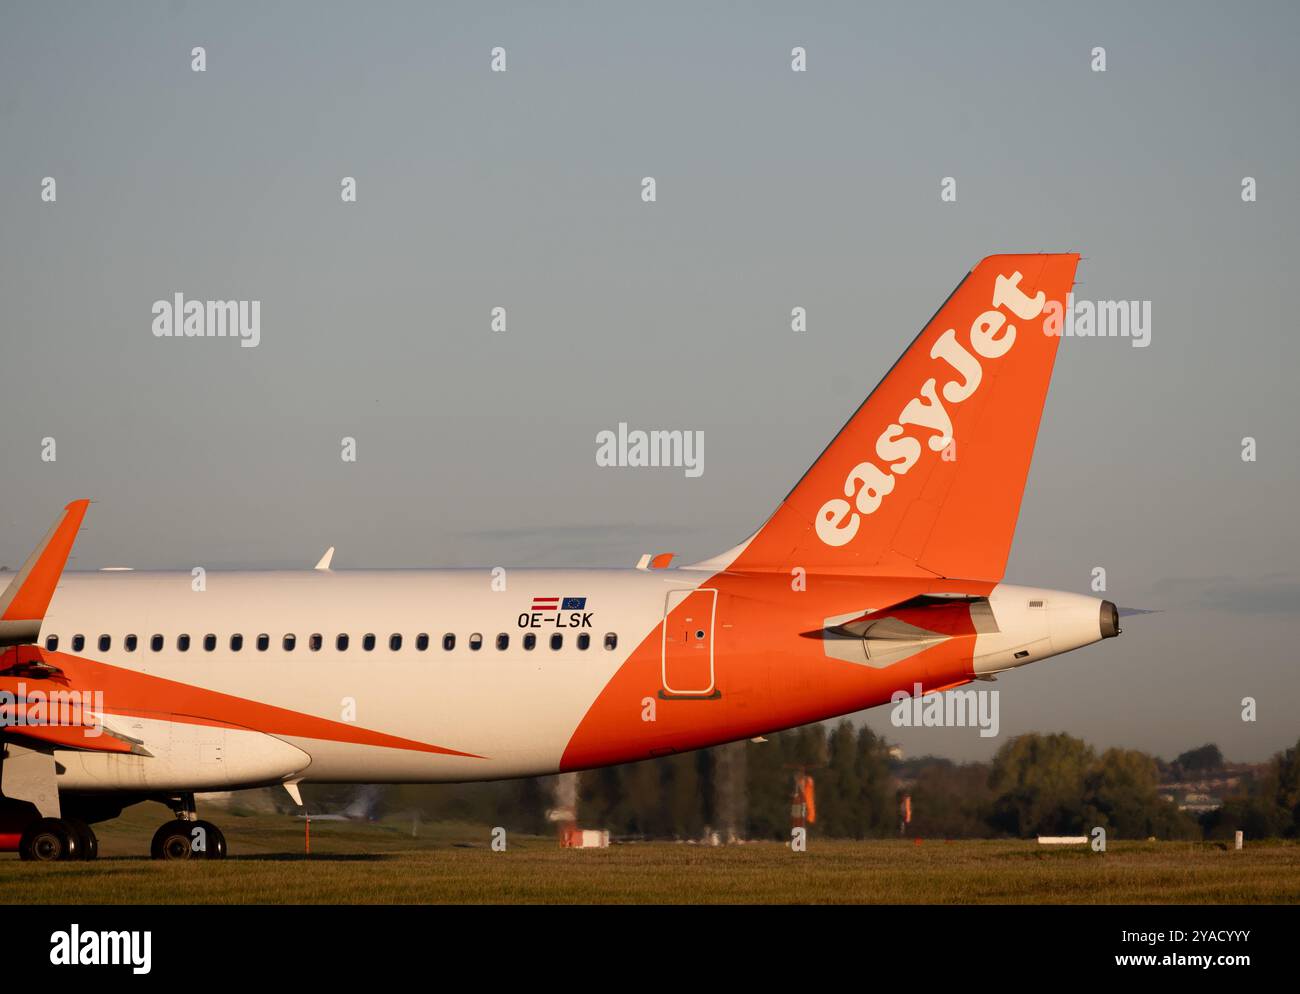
point(383, 863)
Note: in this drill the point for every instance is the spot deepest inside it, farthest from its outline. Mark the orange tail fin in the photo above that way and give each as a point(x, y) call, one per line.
point(927, 475)
point(23, 602)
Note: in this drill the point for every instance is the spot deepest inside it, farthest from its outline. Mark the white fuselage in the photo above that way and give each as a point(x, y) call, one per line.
point(226, 717)
point(515, 707)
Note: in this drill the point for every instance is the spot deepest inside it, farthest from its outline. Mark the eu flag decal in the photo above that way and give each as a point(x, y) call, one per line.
point(574, 604)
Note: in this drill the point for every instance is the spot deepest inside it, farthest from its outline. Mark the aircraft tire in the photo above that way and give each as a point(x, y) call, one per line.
point(47, 840)
point(172, 841)
point(215, 841)
point(86, 837)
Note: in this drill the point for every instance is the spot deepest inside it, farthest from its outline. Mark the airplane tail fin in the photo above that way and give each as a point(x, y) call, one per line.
point(23, 602)
point(927, 476)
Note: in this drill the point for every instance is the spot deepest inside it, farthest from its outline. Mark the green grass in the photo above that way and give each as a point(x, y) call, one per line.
point(382, 863)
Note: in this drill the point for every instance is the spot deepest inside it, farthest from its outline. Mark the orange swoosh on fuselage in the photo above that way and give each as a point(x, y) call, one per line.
point(128, 692)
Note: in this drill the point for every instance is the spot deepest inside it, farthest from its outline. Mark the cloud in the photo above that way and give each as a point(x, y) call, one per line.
point(1274, 593)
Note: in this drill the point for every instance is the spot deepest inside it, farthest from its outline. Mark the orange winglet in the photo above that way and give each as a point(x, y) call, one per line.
point(23, 604)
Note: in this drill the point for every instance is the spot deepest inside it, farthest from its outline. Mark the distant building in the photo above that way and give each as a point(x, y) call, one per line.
point(1197, 803)
point(1207, 791)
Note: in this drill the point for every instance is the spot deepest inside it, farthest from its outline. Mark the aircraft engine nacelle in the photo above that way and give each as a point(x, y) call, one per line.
point(1034, 623)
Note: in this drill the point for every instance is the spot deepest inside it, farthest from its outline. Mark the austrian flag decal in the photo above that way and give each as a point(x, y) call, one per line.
point(558, 604)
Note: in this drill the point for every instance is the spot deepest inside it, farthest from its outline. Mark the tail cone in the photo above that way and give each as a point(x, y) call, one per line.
point(1109, 620)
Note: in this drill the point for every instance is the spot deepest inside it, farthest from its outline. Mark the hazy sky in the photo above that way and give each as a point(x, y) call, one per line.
point(775, 189)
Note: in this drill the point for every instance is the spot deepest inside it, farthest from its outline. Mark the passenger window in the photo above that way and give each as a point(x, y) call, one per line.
point(289, 642)
point(394, 642)
point(584, 640)
point(78, 643)
point(183, 643)
point(341, 643)
point(263, 642)
point(611, 641)
point(530, 641)
point(209, 642)
point(105, 643)
point(51, 642)
point(557, 640)
point(316, 641)
point(130, 642)
point(503, 641)
point(368, 642)
point(236, 643)
point(449, 641)
point(422, 641)
point(476, 642)
point(156, 643)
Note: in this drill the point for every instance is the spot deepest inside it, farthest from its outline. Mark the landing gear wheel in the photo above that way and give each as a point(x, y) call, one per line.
point(49, 839)
point(172, 841)
point(210, 844)
point(188, 840)
point(86, 838)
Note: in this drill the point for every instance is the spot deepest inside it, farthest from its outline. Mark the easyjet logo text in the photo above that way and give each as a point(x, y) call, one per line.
point(897, 448)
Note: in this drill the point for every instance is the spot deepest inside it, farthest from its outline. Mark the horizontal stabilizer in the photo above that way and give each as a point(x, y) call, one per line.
point(928, 616)
point(891, 634)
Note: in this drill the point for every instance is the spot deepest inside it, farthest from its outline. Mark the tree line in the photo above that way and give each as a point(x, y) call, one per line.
point(1036, 784)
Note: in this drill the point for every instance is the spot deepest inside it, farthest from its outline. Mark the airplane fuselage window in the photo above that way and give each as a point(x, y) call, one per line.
point(317, 641)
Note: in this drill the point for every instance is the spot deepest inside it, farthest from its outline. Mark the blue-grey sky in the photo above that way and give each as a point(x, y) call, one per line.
point(775, 189)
